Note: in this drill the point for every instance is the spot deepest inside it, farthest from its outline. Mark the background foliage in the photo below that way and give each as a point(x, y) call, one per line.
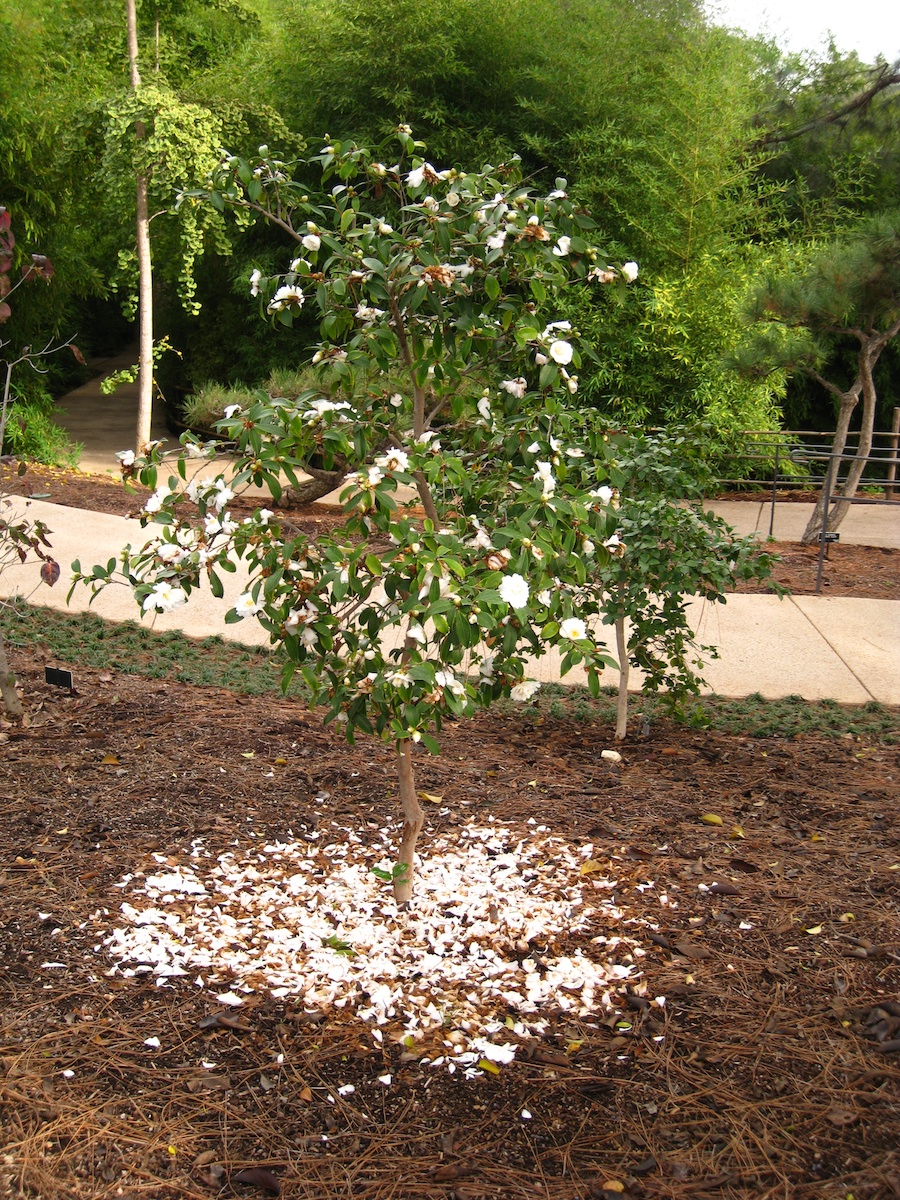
point(710, 158)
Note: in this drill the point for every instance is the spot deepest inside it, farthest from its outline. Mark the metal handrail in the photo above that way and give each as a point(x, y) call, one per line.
point(770, 446)
point(799, 454)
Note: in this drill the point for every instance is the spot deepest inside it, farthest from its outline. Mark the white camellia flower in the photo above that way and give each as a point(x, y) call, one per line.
point(562, 247)
point(367, 314)
point(630, 271)
point(230, 410)
point(126, 458)
point(496, 241)
point(164, 597)
point(416, 177)
point(246, 606)
point(297, 263)
point(514, 590)
point(155, 502)
point(417, 634)
point(588, 546)
point(285, 296)
point(614, 543)
point(484, 408)
point(393, 460)
point(574, 629)
point(320, 406)
point(515, 387)
point(561, 352)
point(524, 691)
point(255, 281)
point(602, 275)
point(603, 494)
point(545, 597)
point(446, 679)
point(222, 495)
point(169, 552)
point(384, 229)
point(311, 242)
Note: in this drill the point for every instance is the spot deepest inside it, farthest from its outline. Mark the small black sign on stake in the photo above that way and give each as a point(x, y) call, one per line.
point(828, 537)
point(58, 678)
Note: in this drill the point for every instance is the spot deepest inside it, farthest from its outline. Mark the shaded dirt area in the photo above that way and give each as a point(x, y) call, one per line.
point(771, 1070)
point(869, 572)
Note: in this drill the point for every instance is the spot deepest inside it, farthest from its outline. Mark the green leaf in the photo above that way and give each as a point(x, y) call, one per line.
point(549, 375)
point(492, 287)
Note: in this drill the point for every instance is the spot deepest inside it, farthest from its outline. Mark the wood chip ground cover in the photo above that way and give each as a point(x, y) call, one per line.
point(771, 1069)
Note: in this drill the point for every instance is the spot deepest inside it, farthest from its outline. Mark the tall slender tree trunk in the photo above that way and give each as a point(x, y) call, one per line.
point(145, 266)
point(624, 669)
point(413, 820)
point(870, 351)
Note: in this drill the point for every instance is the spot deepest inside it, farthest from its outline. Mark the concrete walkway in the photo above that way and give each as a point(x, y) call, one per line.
point(818, 647)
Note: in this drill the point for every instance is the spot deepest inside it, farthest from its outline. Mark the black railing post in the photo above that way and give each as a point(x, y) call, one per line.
point(827, 497)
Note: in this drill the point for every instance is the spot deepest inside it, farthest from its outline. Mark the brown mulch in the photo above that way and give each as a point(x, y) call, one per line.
point(870, 572)
point(772, 1071)
point(106, 494)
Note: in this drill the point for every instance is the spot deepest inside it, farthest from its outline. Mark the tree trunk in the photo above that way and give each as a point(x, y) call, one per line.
point(145, 310)
point(8, 693)
point(413, 820)
point(869, 353)
point(624, 669)
point(319, 484)
point(145, 266)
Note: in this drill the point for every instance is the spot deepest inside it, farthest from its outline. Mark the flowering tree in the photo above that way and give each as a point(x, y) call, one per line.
point(481, 506)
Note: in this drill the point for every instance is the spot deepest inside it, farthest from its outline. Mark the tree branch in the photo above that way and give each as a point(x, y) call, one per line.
point(833, 388)
point(270, 216)
point(886, 78)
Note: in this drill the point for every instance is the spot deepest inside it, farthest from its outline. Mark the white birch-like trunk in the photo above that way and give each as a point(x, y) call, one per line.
point(145, 312)
point(145, 266)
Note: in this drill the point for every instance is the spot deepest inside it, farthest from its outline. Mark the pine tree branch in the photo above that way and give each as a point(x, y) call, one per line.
point(887, 77)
